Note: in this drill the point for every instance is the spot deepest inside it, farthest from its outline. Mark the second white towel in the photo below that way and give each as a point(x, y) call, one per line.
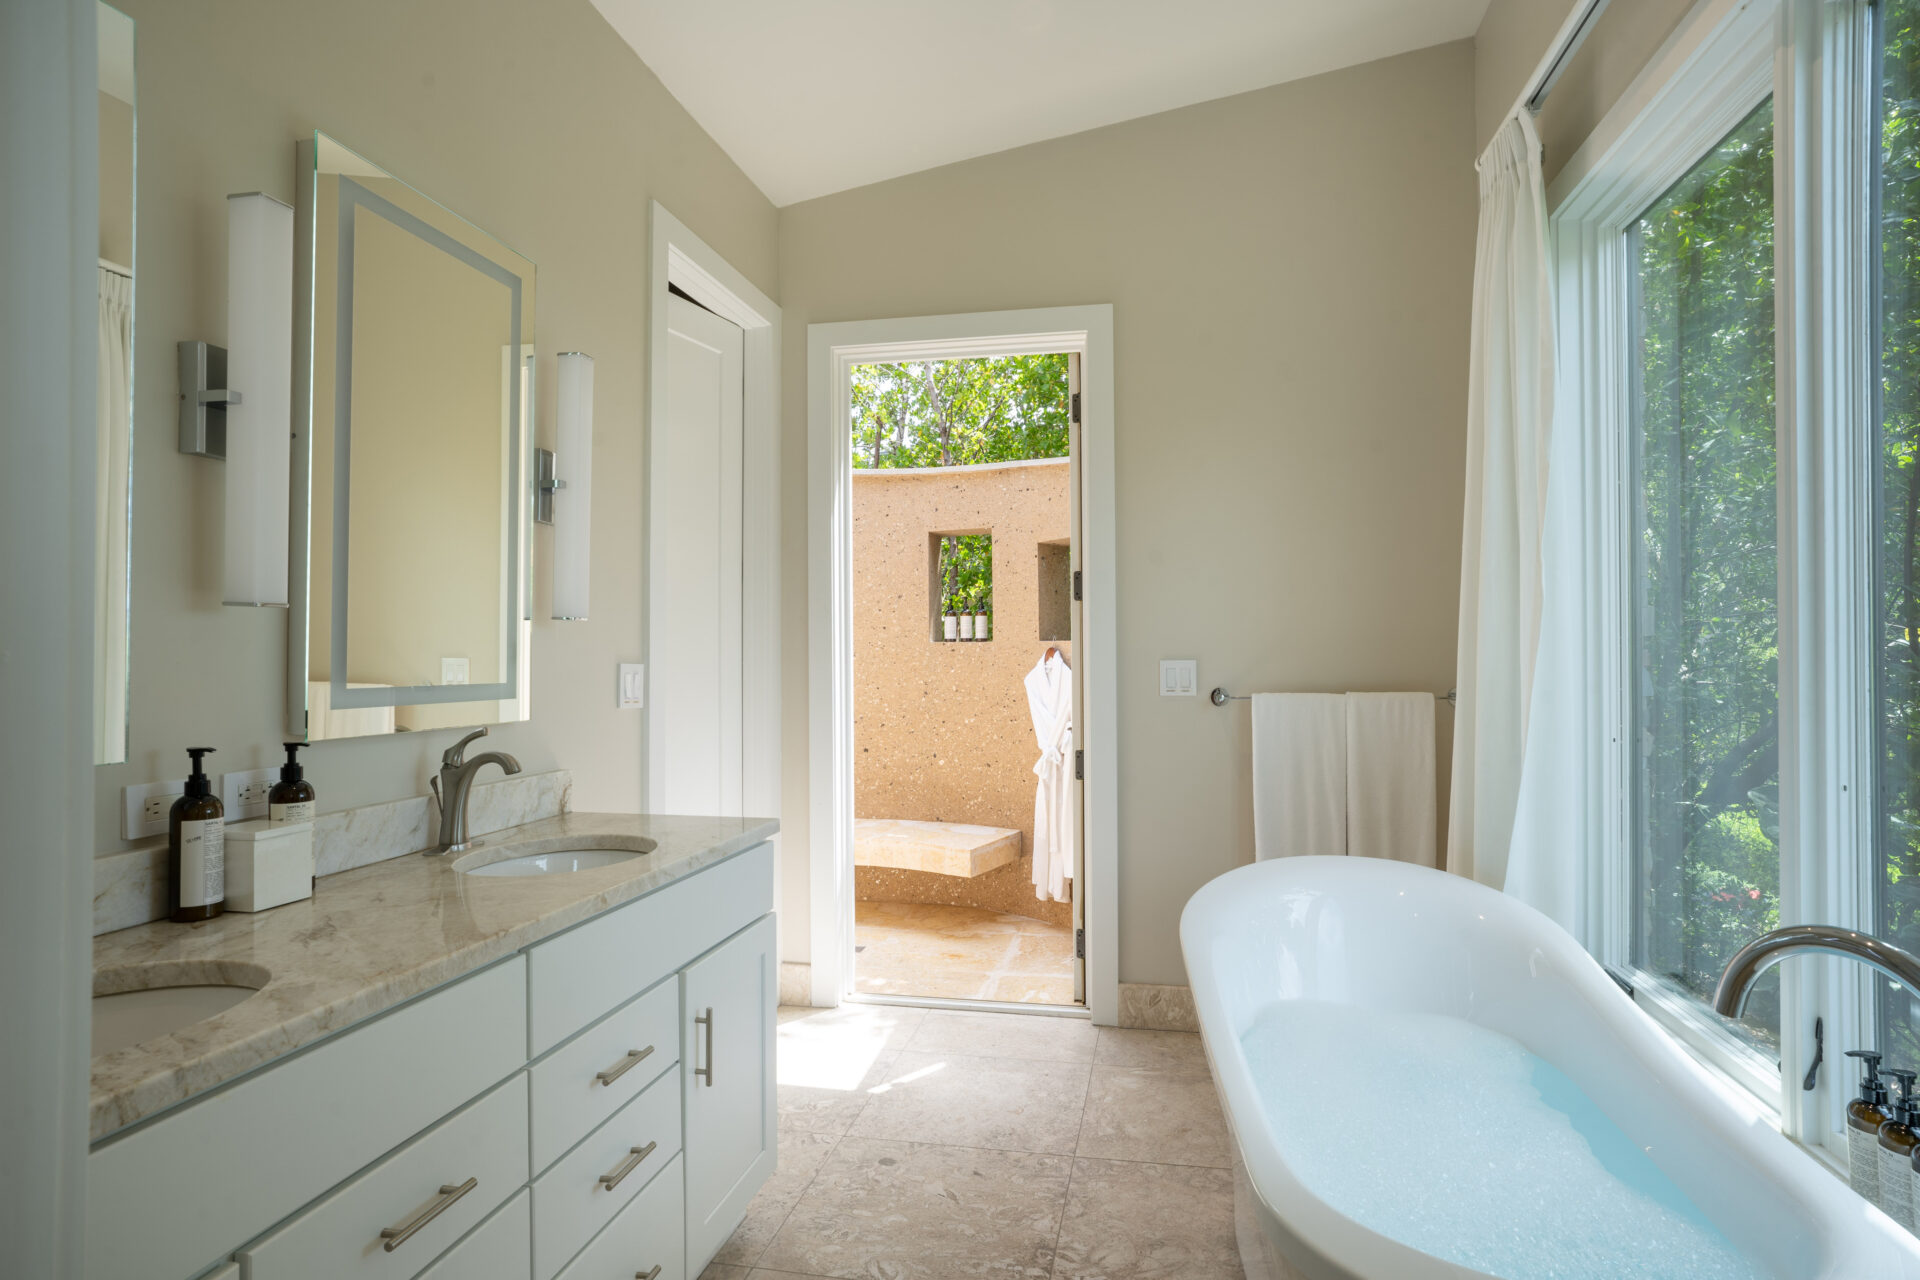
point(1390, 777)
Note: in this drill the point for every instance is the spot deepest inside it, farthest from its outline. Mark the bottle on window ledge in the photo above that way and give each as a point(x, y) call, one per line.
point(1865, 1115)
point(1897, 1141)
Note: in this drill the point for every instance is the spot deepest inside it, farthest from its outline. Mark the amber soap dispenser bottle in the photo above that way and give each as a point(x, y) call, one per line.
point(1865, 1115)
point(197, 848)
point(291, 799)
point(1897, 1141)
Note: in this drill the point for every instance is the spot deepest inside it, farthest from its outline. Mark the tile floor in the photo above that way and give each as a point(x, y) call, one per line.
point(962, 953)
point(924, 1144)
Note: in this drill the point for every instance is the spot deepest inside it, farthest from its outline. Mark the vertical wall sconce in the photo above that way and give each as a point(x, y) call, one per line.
point(564, 485)
point(236, 403)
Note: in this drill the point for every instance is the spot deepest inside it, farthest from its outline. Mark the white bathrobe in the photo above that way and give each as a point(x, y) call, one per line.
point(1050, 699)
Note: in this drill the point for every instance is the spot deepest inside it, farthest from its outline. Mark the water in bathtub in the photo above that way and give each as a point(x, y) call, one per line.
point(1465, 1146)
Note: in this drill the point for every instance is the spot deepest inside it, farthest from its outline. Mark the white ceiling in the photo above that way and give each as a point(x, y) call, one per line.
point(816, 96)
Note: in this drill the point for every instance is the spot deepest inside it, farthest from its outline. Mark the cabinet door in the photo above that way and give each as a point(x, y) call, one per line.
point(727, 1002)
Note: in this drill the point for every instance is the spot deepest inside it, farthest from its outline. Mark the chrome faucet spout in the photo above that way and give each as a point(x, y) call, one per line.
point(455, 785)
point(1769, 949)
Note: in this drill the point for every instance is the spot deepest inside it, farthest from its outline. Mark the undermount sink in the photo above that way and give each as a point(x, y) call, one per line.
point(156, 1002)
point(558, 863)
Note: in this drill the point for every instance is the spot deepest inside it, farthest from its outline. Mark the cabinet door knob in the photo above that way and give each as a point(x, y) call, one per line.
point(618, 1174)
point(450, 1192)
point(633, 1059)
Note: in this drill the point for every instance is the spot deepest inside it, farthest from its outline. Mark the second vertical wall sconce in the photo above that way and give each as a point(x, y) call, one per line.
point(563, 495)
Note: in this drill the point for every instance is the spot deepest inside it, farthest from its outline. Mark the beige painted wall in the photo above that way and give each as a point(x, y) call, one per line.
point(539, 124)
point(1290, 272)
point(1514, 36)
point(941, 731)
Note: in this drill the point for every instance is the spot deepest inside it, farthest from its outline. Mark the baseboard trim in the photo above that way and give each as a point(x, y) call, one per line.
point(1148, 1007)
point(796, 983)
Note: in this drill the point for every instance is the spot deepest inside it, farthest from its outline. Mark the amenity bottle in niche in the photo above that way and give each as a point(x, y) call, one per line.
point(1865, 1115)
point(196, 848)
point(291, 799)
point(1897, 1141)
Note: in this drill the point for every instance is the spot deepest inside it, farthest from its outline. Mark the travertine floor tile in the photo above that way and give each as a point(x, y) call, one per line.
point(1167, 1117)
point(1167, 1050)
point(801, 1155)
point(999, 1035)
point(908, 1211)
point(1129, 1221)
point(1010, 1104)
point(829, 1105)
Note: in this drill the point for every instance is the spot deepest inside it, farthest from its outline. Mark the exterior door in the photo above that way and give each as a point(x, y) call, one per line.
point(727, 1000)
point(694, 718)
point(1076, 630)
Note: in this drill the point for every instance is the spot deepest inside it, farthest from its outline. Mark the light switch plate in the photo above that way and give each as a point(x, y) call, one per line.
point(632, 689)
point(1179, 678)
point(147, 806)
point(453, 671)
point(243, 793)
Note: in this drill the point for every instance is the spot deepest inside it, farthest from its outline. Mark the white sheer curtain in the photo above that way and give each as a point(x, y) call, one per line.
point(112, 411)
point(1509, 427)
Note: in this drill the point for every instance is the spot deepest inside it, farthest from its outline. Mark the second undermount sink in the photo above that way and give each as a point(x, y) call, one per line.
point(560, 862)
point(158, 1001)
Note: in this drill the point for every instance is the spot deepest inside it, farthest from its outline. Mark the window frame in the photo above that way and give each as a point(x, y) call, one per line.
point(1815, 59)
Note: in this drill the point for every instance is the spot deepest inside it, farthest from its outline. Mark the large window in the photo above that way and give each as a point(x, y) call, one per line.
point(1706, 820)
point(1897, 593)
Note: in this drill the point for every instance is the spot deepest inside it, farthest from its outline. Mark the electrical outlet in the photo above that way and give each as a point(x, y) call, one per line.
point(243, 793)
point(147, 805)
point(633, 686)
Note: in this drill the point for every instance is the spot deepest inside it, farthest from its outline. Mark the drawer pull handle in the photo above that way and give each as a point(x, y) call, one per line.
point(634, 1156)
point(648, 1275)
point(397, 1236)
point(706, 1020)
point(633, 1059)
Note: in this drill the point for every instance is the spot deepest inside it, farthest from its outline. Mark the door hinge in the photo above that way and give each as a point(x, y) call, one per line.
point(1079, 944)
point(1076, 406)
point(1076, 584)
point(1079, 764)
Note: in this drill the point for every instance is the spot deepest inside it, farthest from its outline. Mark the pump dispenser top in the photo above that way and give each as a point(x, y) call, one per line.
point(291, 771)
point(198, 784)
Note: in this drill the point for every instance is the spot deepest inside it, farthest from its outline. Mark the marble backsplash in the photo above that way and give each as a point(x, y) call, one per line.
point(131, 888)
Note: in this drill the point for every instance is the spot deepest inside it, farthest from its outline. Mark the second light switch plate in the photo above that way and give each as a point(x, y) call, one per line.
point(1179, 677)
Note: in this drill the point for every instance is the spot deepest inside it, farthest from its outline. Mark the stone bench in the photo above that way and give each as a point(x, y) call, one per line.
point(945, 848)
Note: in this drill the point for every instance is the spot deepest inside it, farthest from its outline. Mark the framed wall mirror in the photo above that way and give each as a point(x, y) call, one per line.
point(113, 405)
point(413, 406)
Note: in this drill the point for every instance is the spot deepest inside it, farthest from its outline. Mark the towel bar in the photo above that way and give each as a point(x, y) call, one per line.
point(1221, 697)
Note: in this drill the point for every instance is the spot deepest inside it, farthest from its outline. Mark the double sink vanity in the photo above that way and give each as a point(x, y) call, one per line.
point(551, 1056)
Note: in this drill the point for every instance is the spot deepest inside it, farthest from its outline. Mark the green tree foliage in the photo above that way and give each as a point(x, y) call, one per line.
point(1898, 571)
point(1707, 619)
point(952, 413)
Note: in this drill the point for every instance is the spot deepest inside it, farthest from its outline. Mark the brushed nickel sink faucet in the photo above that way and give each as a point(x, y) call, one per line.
point(455, 785)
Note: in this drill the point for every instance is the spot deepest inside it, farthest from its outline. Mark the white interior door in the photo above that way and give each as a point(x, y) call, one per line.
point(1076, 631)
point(694, 724)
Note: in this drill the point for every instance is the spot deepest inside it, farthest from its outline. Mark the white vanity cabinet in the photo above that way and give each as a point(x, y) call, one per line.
point(601, 1100)
point(727, 1003)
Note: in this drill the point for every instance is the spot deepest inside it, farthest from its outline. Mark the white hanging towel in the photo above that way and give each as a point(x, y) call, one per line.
point(1390, 777)
point(1050, 700)
point(1299, 774)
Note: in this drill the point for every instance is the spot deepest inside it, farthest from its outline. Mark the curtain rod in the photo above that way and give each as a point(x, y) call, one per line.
point(1573, 33)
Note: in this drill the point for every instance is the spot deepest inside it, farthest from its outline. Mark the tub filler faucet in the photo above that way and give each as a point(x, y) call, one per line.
point(1769, 949)
point(455, 785)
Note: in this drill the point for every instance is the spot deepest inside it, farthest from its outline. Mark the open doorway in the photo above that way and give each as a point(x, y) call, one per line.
point(966, 829)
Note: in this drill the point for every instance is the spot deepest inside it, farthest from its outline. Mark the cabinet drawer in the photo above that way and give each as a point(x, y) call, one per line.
point(571, 1201)
point(579, 975)
point(647, 1234)
point(417, 1191)
point(598, 1072)
point(502, 1249)
point(167, 1199)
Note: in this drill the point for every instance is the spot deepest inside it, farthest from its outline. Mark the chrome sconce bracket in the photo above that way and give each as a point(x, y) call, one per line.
point(203, 402)
point(545, 485)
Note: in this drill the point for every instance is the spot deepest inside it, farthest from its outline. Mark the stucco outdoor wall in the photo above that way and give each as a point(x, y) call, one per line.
point(941, 731)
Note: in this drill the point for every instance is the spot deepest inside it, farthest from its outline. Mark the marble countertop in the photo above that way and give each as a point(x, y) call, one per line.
point(367, 940)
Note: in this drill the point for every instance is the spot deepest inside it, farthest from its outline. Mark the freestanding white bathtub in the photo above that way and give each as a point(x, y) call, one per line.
point(1393, 939)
